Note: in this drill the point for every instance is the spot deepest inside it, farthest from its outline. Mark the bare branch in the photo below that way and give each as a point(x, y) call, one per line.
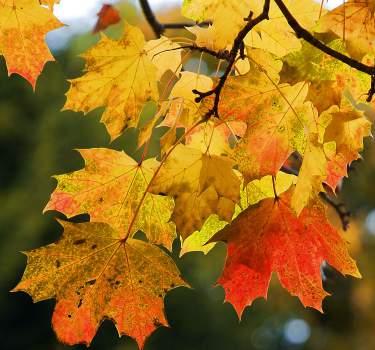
point(156, 26)
point(340, 209)
point(159, 28)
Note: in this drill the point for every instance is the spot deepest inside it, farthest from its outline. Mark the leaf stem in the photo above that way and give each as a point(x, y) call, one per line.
point(274, 187)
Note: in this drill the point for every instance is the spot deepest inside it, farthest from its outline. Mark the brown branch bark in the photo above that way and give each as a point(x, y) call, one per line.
point(159, 28)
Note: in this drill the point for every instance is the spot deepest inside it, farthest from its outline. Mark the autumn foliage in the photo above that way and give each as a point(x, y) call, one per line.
point(252, 154)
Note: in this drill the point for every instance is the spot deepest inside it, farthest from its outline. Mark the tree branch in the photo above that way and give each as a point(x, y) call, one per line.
point(340, 209)
point(236, 48)
point(151, 18)
point(306, 35)
point(159, 28)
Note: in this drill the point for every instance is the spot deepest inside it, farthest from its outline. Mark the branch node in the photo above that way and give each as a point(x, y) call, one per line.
point(249, 17)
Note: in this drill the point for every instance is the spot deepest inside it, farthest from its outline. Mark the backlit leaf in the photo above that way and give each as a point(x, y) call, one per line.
point(120, 76)
point(94, 274)
point(23, 27)
point(270, 238)
point(112, 189)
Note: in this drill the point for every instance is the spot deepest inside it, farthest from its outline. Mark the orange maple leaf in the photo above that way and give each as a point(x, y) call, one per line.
point(94, 274)
point(23, 27)
point(270, 238)
point(107, 16)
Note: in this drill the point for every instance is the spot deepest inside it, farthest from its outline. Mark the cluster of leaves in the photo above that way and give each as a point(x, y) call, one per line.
point(248, 151)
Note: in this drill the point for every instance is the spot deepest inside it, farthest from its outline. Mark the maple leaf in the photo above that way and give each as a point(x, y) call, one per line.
point(207, 37)
point(121, 76)
point(23, 27)
point(329, 79)
point(224, 29)
point(107, 16)
point(206, 10)
point(201, 184)
point(347, 130)
point(227, 17)
point(270, 238)
point(312, 174)
point(196, 242)
point(354, 22)
point(276, 116)
point(112, 189)
point(275, 34)
point(94, 274)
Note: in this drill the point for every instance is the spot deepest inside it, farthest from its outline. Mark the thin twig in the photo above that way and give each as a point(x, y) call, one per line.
point(221, 55)
point(182, 25)
point(340, 209)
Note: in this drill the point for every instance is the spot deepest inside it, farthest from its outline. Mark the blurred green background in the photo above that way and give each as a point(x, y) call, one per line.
point(37, 141)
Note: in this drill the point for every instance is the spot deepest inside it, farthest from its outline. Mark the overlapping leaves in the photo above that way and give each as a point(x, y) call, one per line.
point(285, 107)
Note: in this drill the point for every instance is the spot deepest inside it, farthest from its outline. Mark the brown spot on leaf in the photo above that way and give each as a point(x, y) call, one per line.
point(79, 241)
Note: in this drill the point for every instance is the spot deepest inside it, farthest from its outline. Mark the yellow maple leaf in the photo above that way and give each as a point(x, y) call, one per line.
point(121, 76)
point(94, 275)
point(206, 10)
point(347, 130)
point(23, 27)
point(275, 34)
point(329, 78)
point(201, 184)
point(112, 189)
point(354, 22)
point(226, 23)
